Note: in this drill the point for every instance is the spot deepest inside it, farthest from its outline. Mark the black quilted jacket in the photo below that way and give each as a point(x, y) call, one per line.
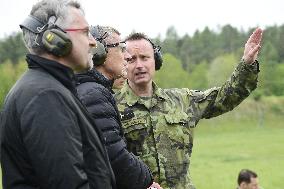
point(95, 92)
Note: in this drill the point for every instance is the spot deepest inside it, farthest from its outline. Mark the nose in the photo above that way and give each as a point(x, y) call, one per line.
point(139, 63)
point(127, 56)
point(92, 41)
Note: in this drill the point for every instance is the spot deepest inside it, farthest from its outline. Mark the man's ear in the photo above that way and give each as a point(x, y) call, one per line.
point(243, 185)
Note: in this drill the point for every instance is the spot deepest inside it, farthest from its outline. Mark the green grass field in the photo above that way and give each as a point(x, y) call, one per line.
point(251, 136)
point(240, 139)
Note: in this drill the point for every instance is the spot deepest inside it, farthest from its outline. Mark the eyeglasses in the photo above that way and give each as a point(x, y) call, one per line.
point(86, 31)
point(121, 45)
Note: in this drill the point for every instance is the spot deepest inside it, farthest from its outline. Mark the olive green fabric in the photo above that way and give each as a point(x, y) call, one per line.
point(159, 129)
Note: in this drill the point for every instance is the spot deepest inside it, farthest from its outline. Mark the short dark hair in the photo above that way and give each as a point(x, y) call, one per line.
point(157, 49)
point(137, 36)
point(245, 175)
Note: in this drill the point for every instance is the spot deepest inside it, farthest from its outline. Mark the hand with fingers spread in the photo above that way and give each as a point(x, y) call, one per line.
point(252, 46)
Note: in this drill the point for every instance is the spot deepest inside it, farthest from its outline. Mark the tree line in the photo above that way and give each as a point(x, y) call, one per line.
point(202, 46)
point(207, 44)
point(209, 57)
point(202, 60)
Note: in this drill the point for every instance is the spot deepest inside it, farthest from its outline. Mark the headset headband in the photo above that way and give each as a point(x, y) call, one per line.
point(32, 24)
point(96, 34)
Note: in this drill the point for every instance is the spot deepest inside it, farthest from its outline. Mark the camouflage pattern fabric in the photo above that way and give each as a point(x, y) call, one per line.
point(159, 129)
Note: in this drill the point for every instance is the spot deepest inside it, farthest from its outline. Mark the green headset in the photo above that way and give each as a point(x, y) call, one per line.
point(49, 36)
point(100, 52)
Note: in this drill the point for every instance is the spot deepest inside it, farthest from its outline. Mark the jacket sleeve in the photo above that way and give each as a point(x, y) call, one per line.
point(52, 138)
point(129, 170)
point(219, 100)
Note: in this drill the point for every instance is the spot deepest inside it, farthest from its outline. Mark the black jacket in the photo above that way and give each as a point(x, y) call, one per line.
point(48, 139)
point(95, 92)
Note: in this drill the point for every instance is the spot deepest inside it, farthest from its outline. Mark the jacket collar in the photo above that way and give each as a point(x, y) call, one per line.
point(131, 98)
point(62, 73)
point(94, 75)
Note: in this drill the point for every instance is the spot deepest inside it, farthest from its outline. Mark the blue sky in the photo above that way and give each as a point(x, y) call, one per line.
point(153, 17)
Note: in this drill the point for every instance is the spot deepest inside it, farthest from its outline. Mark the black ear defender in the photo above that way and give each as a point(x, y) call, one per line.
point(157, 55)
point(53, 39)
point(100, 52)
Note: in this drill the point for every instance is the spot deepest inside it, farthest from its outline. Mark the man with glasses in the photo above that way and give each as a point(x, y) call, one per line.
point(48, 139)
point(95, 91)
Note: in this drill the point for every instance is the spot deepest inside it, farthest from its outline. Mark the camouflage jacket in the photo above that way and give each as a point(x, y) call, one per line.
point(159, 129)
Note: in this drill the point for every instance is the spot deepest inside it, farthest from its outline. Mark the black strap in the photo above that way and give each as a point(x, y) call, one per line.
point(33, 24)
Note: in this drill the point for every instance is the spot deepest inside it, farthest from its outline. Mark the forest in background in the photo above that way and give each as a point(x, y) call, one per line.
point(203, 60)
point(248, 137)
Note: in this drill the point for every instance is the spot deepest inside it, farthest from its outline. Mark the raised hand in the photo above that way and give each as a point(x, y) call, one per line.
point(252, 46)
point(155, 186)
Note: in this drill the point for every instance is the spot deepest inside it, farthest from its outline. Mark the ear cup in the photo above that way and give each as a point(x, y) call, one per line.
point(100, 54)
point(56, 42)
point(157, 55)
point(158, 58)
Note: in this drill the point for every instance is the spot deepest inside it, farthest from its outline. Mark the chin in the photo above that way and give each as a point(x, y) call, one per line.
point(84, 68)
point(90, 66)
point(142, 82)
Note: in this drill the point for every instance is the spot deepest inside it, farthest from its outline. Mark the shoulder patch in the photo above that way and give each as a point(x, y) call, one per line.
point(126, 114)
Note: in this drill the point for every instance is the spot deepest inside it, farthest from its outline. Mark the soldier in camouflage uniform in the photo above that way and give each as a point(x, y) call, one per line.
point(158, 123)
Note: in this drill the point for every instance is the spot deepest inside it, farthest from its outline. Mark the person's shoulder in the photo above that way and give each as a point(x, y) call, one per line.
point(38, 80)
point(175, 92)
point(89, 85)
point(182, 93)
point(33, 83)
point(92, 89)
point(117, 94)
point(124, 91)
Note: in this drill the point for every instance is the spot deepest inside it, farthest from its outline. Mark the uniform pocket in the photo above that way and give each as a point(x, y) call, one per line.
point(135, 131)
point(134, 124)
point(180, 135)
point(178, 127)
point(180, 118)
point(176, 145)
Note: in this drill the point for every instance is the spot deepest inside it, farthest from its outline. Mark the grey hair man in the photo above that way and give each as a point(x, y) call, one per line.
point(48, 139)
point(95, 91)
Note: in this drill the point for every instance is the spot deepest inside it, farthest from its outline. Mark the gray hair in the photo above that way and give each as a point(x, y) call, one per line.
point(107, 31)
point(43, 10)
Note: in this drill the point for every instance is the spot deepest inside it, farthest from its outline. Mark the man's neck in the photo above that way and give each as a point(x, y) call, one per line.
point(60, 60)
point(142, 90)
point(102, 70)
